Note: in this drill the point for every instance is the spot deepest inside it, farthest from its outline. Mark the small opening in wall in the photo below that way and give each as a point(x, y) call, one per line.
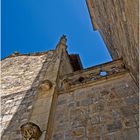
point(81, 79)
point(103, 73)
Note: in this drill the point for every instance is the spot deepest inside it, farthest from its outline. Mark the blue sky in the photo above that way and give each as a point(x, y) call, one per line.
point(37, 25)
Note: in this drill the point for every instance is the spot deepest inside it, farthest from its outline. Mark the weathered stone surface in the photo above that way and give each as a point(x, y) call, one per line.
point(118, 23)
point(58, 136)
point(86, 102)
point(19, 73)
point(114, 126)
point(131, 134)
point(97, 111)
point(127, 111)
point(17, 106)
point(78, 132)
point(94, 107)
point(132, 100)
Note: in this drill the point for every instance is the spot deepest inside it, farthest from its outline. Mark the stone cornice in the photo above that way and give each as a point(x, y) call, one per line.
point(96, 82)
point(16, 54)
point(97, 74)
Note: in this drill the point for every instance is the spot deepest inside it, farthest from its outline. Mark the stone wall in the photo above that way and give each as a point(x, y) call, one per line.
point(104, 108)
point(16, 109)
point(29, 85)
point(117, 21)
point(18, 73)
point(21, 76)
point(42, 91)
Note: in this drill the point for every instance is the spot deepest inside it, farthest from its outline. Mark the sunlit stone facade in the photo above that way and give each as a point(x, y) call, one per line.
point(49, 96)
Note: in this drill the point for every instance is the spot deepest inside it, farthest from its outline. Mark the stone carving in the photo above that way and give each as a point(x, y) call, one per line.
point(66, 84)
point(45, 85)
point(62, 42)
point(63, 39)
point(30, 131)
point(92, 75)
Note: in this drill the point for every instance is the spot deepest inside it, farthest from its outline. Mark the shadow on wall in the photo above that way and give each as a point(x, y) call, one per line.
point(24, 109)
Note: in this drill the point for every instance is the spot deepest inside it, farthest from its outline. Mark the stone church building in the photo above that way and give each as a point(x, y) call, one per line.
point(49, 96)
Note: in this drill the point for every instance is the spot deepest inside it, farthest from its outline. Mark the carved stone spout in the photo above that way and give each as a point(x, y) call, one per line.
point(66, 84)
point(45, 85)
point(30, 131)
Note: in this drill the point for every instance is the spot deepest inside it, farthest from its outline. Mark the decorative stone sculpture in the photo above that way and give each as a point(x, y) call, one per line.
point(45, 85)
point(30, 131)
point(62, 43)
point(63, 39)
point(66, 84)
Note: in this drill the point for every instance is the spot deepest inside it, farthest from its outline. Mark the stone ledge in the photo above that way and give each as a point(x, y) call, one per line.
point(97, 82)
point(93, 74)
point(97, 67)
point(15, 54)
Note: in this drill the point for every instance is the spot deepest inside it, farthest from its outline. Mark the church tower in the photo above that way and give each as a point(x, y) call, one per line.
point(49, 96)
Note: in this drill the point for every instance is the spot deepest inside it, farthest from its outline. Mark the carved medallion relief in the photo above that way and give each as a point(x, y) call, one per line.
point(30, 131)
